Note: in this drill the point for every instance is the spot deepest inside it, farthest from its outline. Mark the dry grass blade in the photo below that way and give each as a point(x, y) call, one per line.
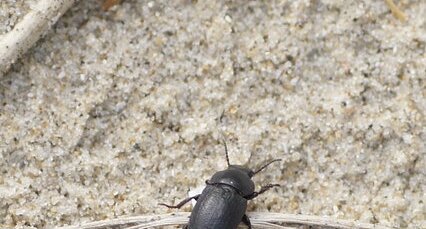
point(30, 29)
point(181, 220)
point(140, 220)
point(258, 219)
point(396, 11)
point(311, 221)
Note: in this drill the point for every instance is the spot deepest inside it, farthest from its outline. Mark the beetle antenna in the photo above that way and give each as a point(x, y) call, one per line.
point(226, 152)
point(266, 165)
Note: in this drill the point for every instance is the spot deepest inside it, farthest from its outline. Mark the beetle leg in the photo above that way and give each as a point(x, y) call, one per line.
point(262, 190)
point(183, 202)
point(246, 221)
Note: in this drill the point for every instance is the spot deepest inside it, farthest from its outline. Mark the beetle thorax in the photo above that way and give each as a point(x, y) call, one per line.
point(237, 177)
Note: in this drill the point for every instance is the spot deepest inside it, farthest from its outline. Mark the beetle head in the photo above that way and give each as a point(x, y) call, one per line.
point(237, 176)
point(244, 168)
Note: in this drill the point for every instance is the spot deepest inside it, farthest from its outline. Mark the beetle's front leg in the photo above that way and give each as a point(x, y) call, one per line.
point(262, 190)
point(183, 202)
point(246, 221)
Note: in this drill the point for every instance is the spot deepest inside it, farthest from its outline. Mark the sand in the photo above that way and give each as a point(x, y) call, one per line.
point(114, 112)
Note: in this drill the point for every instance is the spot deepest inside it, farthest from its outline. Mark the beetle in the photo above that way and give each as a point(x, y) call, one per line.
point(223, 202)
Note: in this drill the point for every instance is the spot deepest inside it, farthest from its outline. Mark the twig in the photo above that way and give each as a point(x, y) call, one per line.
point(30, 29)
point(258, 219)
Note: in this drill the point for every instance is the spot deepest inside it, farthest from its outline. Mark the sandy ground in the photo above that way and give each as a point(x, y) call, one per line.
point(114, 112)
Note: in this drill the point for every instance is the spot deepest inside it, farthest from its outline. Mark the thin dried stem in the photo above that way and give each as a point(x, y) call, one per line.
point(27, 32)
point(396, 11)
point(258, 219)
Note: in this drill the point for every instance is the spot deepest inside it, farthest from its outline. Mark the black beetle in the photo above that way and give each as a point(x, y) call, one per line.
point(223, 202)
